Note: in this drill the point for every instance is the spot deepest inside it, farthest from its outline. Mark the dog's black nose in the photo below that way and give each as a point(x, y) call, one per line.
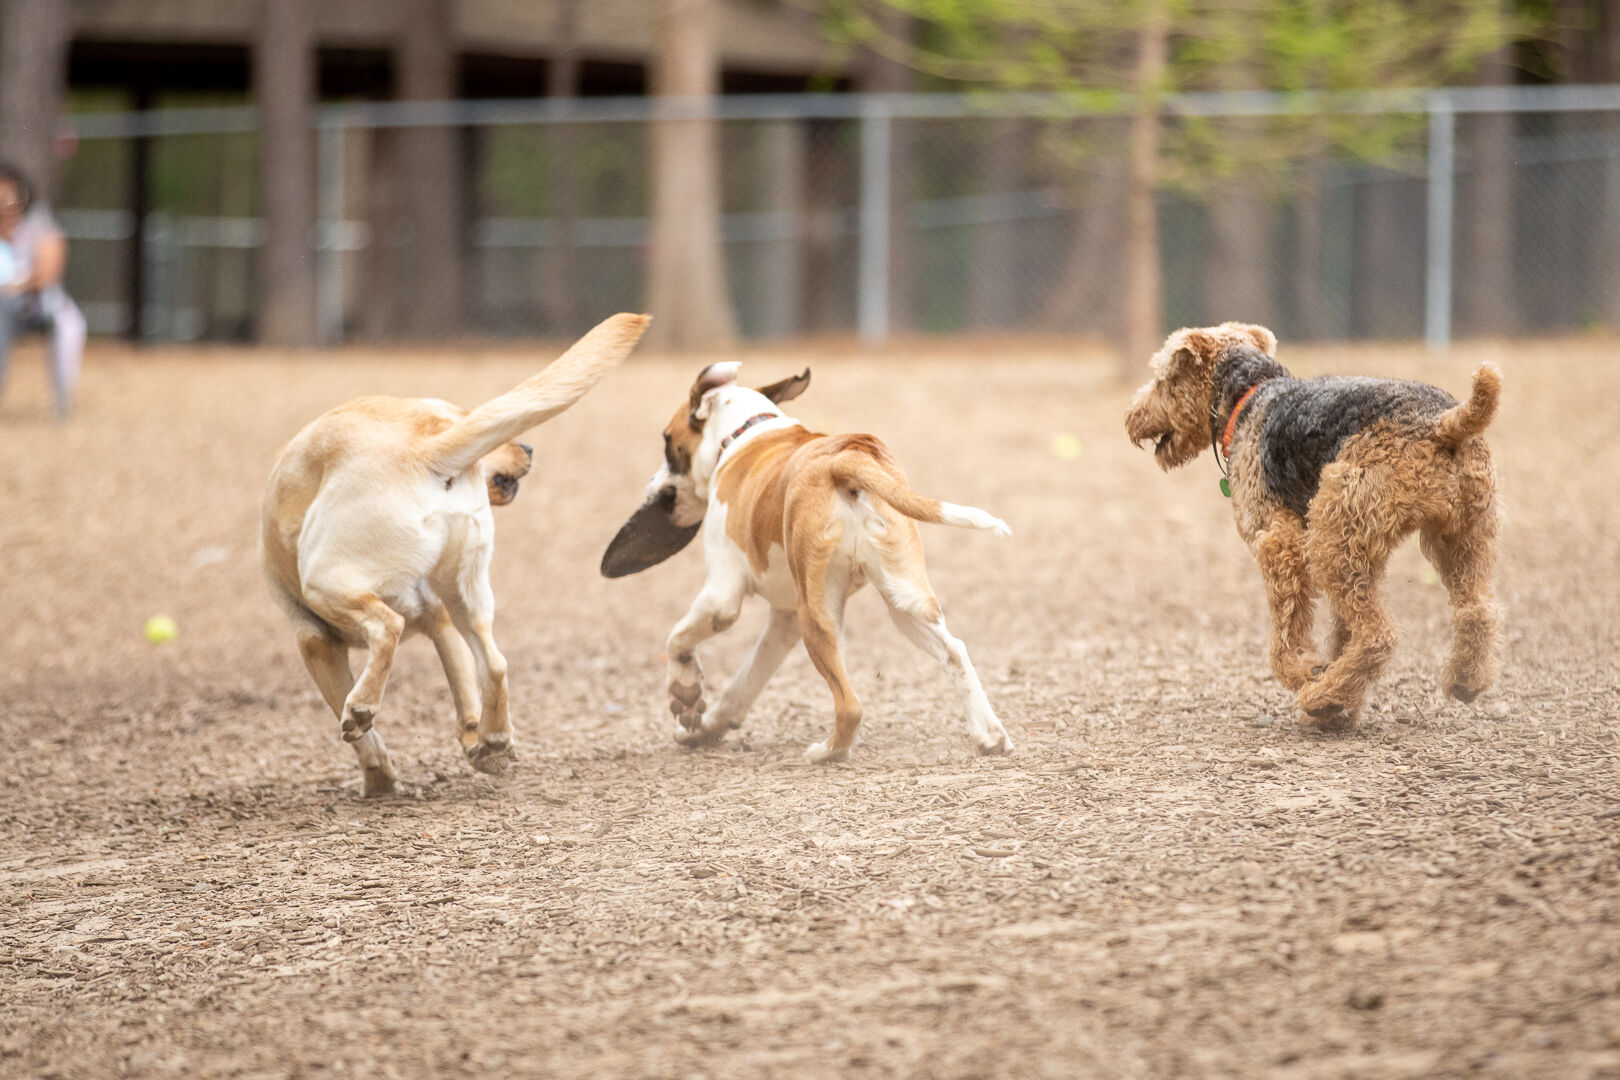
point(527, 449)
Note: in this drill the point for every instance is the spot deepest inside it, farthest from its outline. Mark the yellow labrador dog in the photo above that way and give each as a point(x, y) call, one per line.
point(376, 526)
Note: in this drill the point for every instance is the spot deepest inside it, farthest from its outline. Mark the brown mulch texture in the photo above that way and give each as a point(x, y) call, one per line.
point(1168, 877)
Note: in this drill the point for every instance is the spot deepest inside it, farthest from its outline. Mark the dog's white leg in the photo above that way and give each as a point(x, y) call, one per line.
point(714, 611)
point(472, 616)
point(462, 671)
point(780, 636)
point(933, 637)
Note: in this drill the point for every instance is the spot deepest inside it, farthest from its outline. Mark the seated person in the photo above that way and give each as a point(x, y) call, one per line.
point(33, 254)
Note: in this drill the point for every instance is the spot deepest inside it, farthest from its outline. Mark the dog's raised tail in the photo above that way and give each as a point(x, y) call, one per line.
point(1464, 421)
point(537, 399)
point(869, 468)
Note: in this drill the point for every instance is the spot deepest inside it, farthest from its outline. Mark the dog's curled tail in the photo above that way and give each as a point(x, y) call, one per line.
point(1464, 421)
point(868, 467)
point(537, 399)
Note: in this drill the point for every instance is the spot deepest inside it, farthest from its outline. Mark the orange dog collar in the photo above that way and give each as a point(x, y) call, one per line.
point(1231, 421)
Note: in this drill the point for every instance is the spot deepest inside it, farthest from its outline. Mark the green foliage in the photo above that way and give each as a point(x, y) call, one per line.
point(1320, 50)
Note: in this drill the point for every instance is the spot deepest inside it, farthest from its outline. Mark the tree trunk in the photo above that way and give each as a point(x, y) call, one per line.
point(1144, 304)
point(784, 163)
point(562, 85)
point(828, 165)
point(284, 86)
point(687, 276)
point(431, 178)
point(1310, 208)
point(882, 75)
point(995, 267)
point(1235, 277)
point(1088, 294)
point(33, 70)
point(380, 291)
point(1485, 287)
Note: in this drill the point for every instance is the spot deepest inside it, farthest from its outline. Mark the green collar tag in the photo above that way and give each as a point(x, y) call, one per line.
point(1226, 487)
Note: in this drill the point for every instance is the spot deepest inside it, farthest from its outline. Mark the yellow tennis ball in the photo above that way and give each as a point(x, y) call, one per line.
point(1065, 447)
point(160, 629)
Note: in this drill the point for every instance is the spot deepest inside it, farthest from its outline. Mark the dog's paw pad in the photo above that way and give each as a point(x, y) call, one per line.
point(357, 721)
point(686, 704)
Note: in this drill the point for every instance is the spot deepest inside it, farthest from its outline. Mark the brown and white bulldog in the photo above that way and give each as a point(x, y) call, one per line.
point(803, 520)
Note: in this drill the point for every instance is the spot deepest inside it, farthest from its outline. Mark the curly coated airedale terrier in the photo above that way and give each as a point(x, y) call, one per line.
point(1327, 476)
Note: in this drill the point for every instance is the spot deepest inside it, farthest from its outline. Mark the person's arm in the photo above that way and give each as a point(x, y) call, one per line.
point(50, 259)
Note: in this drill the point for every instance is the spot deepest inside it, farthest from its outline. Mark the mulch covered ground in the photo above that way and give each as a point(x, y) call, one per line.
point(1168, 877)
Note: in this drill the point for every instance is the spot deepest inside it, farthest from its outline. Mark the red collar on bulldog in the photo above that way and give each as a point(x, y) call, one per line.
point(757, 418)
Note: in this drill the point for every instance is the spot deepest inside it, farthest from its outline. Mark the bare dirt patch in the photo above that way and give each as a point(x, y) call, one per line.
point(1169, 877)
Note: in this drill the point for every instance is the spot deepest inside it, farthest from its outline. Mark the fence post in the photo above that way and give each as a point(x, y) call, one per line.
point(873, 303)
point(1442, 184)
point(328, 233)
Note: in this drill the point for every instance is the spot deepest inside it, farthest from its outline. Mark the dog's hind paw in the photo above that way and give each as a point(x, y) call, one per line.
point(357, 721)
point(492, 754)
point(1331, 718)
point(822, 754)
point(701, 735)
point(1464, 694)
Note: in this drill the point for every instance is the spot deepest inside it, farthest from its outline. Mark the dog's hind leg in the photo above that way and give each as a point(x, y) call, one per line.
point(916, 612)
point(1465, 556)
point(780, 636)
point(821, 619)
point(462, 672)
point(1347, 560)
point(1279, 549)
point(713, 611)
point(472, 617)
point(380, 627)
point(328, 664)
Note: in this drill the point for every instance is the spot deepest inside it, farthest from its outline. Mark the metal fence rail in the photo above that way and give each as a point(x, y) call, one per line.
point(1488, 211)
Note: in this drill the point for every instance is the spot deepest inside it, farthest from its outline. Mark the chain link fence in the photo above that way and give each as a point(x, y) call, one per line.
point(1437, 214)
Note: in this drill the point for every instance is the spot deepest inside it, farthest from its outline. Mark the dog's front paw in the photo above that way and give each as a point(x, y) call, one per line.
point(357, 721)
point(492, 753)
point(993, 743)
point(822, 754)
point(1331, 717)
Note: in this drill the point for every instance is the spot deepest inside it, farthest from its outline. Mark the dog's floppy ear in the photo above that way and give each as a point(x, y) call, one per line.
point(1190, 348)
point(788, 389)
point(711, 378)
point(1259, 336)
point(1265, 339)
point(648, 538)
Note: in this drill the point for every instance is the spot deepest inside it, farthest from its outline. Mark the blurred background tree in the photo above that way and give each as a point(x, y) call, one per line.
point(1122, 59)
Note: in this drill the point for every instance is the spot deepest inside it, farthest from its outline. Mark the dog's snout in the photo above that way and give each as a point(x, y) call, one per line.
point(528, 451)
